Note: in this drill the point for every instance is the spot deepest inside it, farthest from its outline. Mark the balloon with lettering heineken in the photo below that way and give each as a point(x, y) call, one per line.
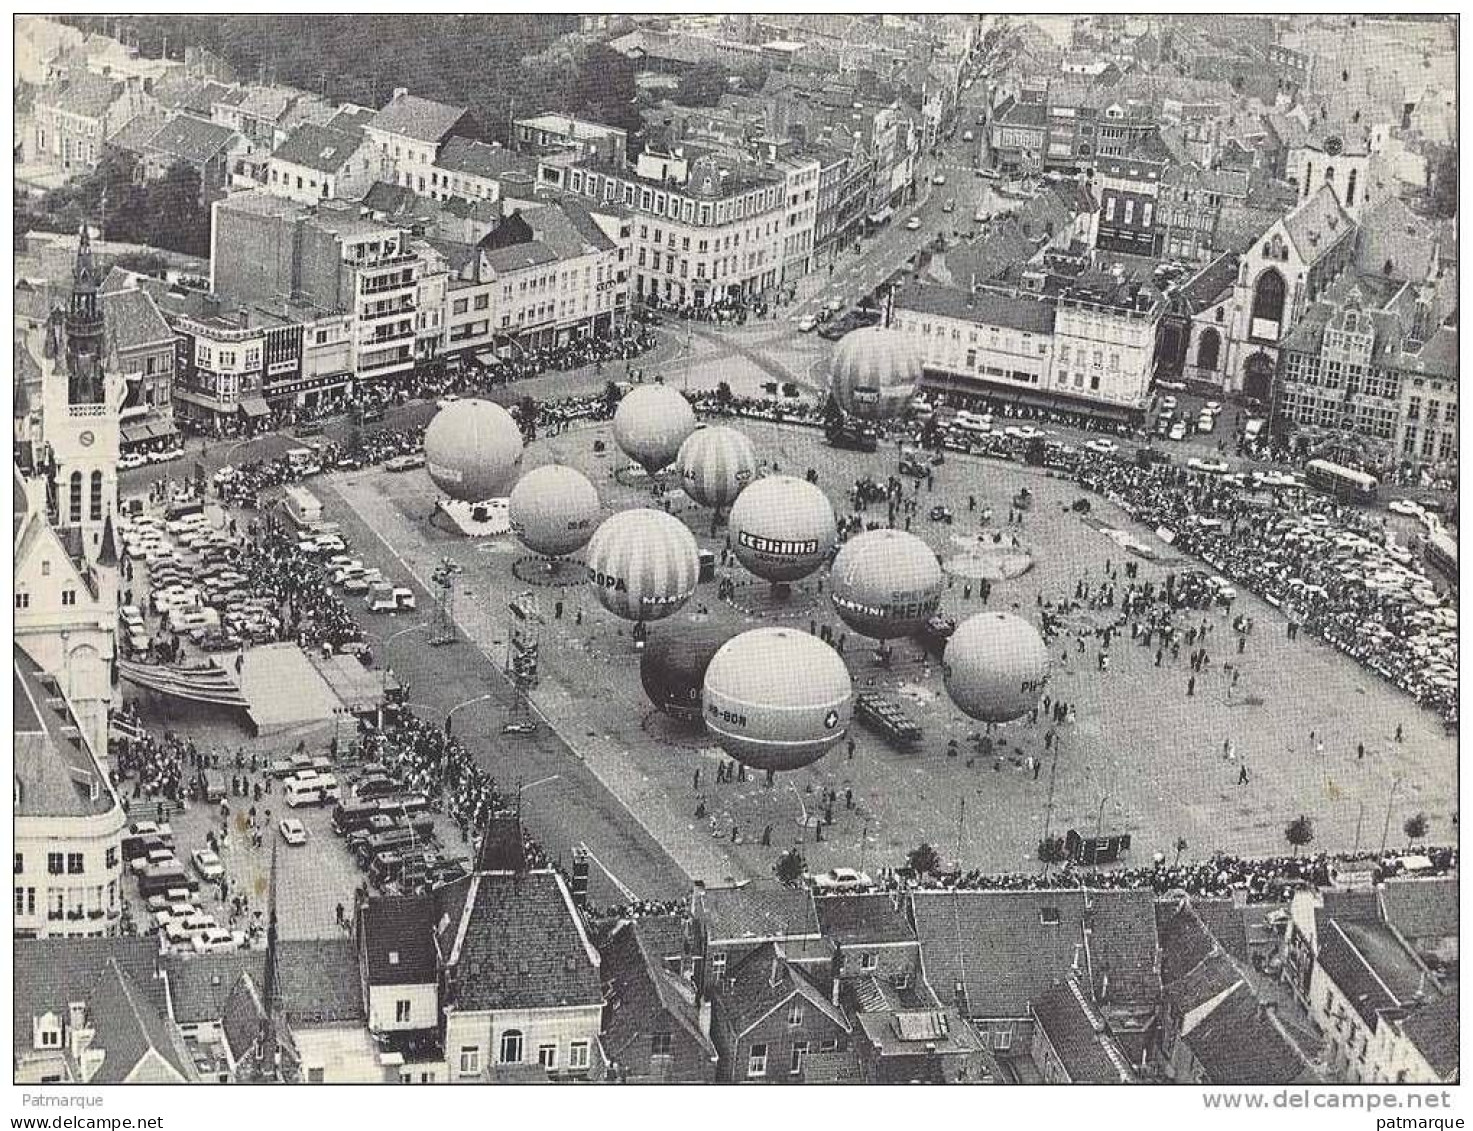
point(651, 423)
point(995, 666)
point(553, 510)
point(473, 449)
point(716, 464)
point(874, 373)
point(643, 564)
point(782, 528)
point(885, 584)
point(777, 698)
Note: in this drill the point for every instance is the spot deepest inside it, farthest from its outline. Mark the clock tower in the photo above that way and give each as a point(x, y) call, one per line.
point(82, 408)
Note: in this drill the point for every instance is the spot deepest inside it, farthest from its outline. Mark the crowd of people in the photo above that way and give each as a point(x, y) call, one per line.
point(1272, 879)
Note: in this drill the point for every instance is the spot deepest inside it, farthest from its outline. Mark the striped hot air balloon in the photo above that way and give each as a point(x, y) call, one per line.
point(651, 423)
point(715, 464)
point(643, 564)
point(874, 373)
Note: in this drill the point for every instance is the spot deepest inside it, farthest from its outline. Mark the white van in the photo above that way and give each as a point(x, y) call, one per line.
point(311, 788)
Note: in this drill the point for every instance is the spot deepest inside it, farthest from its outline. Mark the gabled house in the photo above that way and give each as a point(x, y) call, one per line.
point(213, 151)
point(410, 132)
point(992, 954)
point(399, 967)
point(1071, 1044)
point(654, 1029)
point(320, 1000)
point(768, 1013)
point(733, 922)
point(323, 163)
point(75, 116)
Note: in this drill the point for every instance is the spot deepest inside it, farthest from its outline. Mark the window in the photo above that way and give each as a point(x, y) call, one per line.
point(96, 504)
point(68, 597)
point(659, 1042)
point(401, 1011)
point(482, 301)
point(470, 1060)
point(22, 600)
point(547, 1057)
point(74, 863)
point(74, 496)
point(459, 306)
point(511, 1047)
point(829, 1046)
point(314, 1075)
point(1002, 1038)
point(869, 960)
point(20, 863)
point(1110, 210)
point(795, 1013)
point(718, 963)
point(800, 1052)
point(1048, 916)
point(55, 863)
point(111, 858)
point(20, 902)
point(578, 1055)
point(757, 1061)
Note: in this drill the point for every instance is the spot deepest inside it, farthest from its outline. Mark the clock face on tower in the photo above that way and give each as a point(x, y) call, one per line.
point(86, 439)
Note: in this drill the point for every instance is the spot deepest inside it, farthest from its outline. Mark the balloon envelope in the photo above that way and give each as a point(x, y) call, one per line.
point(777, 698)
point(715, 464)
point(673, 665)
point(472, 450)
point(643, 564)
point(995, 666)
point(554, 510)
point(885, 583)
point(874, 373)
point(782, 528)
point(651, 423)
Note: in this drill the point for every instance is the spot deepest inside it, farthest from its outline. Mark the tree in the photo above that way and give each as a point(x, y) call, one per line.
point(1415, 827)
point(143, 263)
point(1051, 850)
point(790, 867)
point(723, 395)
point(702, 86)
point(1445, 185)
point(924, 860)
point(611, 397)
point(527, 417)
point(1299, 832)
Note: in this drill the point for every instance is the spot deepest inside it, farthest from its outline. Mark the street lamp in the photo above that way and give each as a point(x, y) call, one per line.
point(388, 640)
point(1100, 817)
point(1386, 825)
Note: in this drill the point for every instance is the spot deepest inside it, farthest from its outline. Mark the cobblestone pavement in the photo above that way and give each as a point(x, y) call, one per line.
point(1143, 757)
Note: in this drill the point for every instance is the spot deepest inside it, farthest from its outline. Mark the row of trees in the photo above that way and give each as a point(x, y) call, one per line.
point(924, 860)
point(166, 213)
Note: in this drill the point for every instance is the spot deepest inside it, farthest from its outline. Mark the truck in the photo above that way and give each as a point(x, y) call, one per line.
point(853, 435)
point(887, 719)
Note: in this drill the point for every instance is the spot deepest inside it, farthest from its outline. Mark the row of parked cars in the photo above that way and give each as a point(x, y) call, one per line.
point(391, 835)
point(170, 892)
point(130, 460)
point(380, 595)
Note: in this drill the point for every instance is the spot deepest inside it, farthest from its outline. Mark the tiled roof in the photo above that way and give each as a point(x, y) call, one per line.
point(1239, 226)
point(391, 199)
point(1395, 236)
point(55, 774)
point(200, 984)
point(133, 321)
point(1023, 114)
point(763, 909)
point(318, 981)
point(1422, 909)
point(985, 308)
point(477, 159)
point(84, 94)
point(1077, 1034)
point(1226, 923)
point(650, 997)
point(128, 1023)
point(399, 941)
point(350, 118)
point(1209, 285)
point(267, 102)
point(242, 1016)
point(761, 982)
point(518, 943)
point(518, 257)
point(1317, 224)
point(192, 139)
point(318, 147)
point(554, 225)
point(1369, 965)
point(1005, 948)
point(1433, 1029)
point(135, 134)
point(853, 920)
point(49, 974)
point(421, 119)
point(1238, 1044)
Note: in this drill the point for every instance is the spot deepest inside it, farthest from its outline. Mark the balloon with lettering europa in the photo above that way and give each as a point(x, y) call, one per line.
point(643, 564)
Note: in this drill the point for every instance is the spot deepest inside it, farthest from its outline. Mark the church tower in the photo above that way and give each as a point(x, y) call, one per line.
point(82, 413)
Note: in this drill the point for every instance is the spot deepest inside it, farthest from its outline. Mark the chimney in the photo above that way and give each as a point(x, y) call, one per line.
point(580, 877)
point(244, 317)
point(772, 976)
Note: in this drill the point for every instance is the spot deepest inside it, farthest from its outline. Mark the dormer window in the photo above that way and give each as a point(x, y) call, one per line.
point(1048, 916)
point(393, 958)
point(48, 1031)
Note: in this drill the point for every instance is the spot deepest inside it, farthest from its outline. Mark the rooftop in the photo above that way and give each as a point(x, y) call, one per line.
point(48, 974)
point(1371, 967)
point(200, 984)
point(417, 118)
point(133, 321)
point(1078, 1036)
point(1238, 1044)
point(763, 909)
point(477, 159)
point(84, 94)
point(128, 1022)
point(318, 147)
point(985, 308)
point(857, 920)
point(1317, 225)
point(192, 139)
point(399, 940)
point(55, 774)
point(318, 980)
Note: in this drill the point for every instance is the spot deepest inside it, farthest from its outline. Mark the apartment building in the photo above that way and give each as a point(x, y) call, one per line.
point(702, 228)
point(323, 163)
point(548, 133)
point(410, 132)
point(76, 115)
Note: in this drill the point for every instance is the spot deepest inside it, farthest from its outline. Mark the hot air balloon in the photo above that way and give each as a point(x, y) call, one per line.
point(553, 510)
point(777, 698)
point(651, 423)
point(995, 666)
point(874, 373)
point(885, 583)
point(673, 665)
point(715, 464)
point(782, 528)
point(472, 450)
point(643, 564)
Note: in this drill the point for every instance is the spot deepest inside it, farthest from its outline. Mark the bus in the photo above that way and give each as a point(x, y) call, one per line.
point(315, 790)
point(302, 506)
point(1342, 482)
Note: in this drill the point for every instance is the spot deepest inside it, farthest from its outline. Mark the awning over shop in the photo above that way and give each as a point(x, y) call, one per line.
point(162, 429)
point(255, 406)
point(488, 358)
point(136, 433)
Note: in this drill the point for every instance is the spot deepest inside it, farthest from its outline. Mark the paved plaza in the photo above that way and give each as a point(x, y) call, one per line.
point(1142, 757)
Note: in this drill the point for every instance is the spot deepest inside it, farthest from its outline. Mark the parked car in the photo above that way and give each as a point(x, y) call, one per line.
point(293, 831)
point(380, 599)
point(207, 864)
point(840, 880)
point(403, 598)
point(913, 224)
point(807, 325)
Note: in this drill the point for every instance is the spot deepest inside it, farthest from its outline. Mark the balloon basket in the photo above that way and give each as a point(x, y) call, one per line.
point(776, 600)
point(549, 573)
